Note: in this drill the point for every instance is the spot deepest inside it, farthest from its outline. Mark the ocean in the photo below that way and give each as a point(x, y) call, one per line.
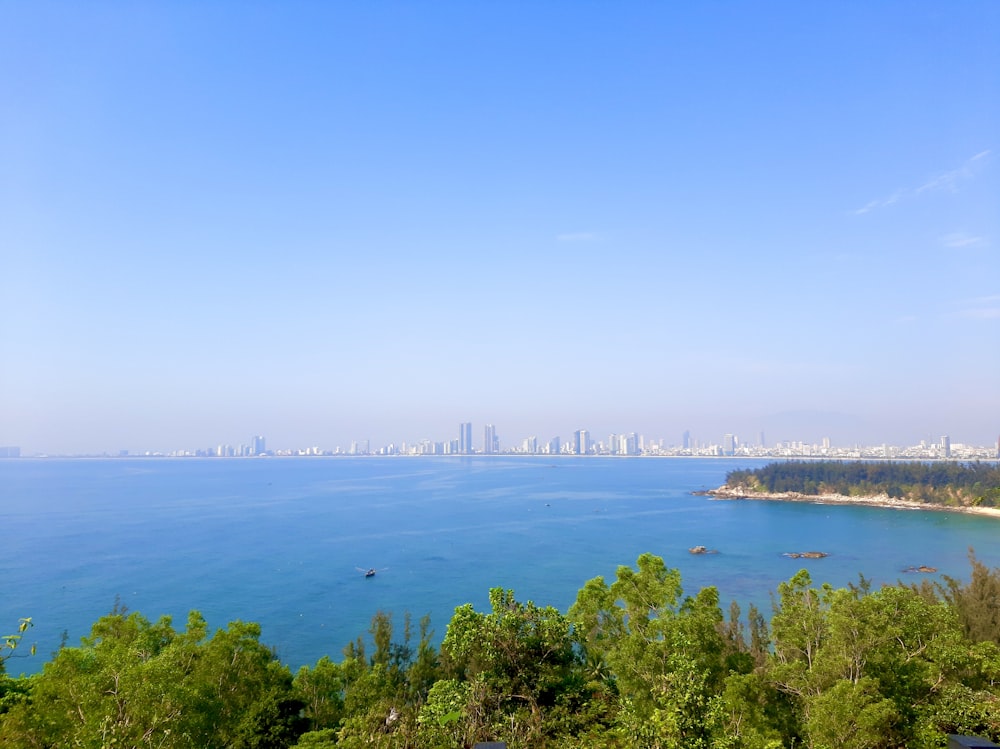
point(285, 541)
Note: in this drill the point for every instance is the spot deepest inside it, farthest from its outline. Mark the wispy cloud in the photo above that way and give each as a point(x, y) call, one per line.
point(959, 239)
point(947, 181)
point(983, 313)
point(880, 203)
point(981, 308)
point(578, 236)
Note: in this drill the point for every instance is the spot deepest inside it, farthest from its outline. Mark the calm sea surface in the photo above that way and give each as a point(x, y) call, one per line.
point(282, 541)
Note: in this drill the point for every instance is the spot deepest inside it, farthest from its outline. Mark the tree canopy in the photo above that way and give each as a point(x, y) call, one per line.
point(952, 484)
point(634, 662)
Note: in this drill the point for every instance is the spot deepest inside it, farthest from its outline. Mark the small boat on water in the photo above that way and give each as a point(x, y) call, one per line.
point(370, 572)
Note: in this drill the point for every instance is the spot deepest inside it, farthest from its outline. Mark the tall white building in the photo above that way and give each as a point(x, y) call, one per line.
point(632, 444)
point(729, 444)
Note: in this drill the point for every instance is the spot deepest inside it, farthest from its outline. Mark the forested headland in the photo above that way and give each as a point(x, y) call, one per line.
point(632, 663)
point(945, 484)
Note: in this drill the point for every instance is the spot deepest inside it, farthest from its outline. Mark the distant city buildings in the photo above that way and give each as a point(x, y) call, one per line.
point(622, 444)
point(491, 445)
point(629, 444)
point(258, 446)
point(729, 444)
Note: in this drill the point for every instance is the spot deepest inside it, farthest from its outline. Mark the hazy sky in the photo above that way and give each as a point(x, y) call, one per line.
point(374, 220)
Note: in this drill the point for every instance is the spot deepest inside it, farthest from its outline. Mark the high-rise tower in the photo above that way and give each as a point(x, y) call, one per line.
point(729, 442)
point(465, 438)
point(490, 443)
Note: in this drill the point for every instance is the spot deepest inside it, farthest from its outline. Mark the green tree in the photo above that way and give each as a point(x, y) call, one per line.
point(9, 643)
point(517, 659)
point(667, 654)
point(324, 739)
point(867, 669)
point(750, 714)
point(13, 691)
point(133, 683)
point(383, 693)
point(852, 715)
point(444, 718)
point(977, 602)
point(321, 691)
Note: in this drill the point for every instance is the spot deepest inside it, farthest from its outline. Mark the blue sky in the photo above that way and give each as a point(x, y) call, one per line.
point(333, 221)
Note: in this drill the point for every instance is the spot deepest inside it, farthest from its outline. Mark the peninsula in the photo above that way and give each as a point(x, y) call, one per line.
point(952, 487)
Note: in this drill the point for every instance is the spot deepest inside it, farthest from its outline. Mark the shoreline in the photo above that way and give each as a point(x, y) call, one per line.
point(881, 500)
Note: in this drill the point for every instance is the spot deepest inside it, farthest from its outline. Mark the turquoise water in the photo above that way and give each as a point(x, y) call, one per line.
point(283, 541)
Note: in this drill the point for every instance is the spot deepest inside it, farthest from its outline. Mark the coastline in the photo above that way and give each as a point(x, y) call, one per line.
point(881, 500)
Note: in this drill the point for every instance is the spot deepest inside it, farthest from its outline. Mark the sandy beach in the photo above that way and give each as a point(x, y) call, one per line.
point(883, 500)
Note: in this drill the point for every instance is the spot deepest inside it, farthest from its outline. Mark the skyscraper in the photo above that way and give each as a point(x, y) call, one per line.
point(465, 438)
point(632, 444)
point(729, 444)
point(490, 444)
point(581, 442)
point(257, 446)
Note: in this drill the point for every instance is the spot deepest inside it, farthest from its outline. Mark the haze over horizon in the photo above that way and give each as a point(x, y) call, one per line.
point(335, 222)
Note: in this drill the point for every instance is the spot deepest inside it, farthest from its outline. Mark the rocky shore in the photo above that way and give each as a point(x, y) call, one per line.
point(883, 500)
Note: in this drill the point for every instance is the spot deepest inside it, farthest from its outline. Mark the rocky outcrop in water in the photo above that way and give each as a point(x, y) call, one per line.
point(805, 554)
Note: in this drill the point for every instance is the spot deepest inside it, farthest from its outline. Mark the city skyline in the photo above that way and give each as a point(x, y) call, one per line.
point(335, 222)
point(580, 443)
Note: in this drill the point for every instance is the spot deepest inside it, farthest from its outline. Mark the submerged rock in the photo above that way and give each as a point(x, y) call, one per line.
point(921, 568)
point(805, 554)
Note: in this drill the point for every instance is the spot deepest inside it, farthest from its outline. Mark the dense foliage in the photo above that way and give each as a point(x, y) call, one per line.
point(633, 663)
point(947, 483)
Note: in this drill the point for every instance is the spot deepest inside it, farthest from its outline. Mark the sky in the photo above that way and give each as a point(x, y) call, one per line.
point(334, 221)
